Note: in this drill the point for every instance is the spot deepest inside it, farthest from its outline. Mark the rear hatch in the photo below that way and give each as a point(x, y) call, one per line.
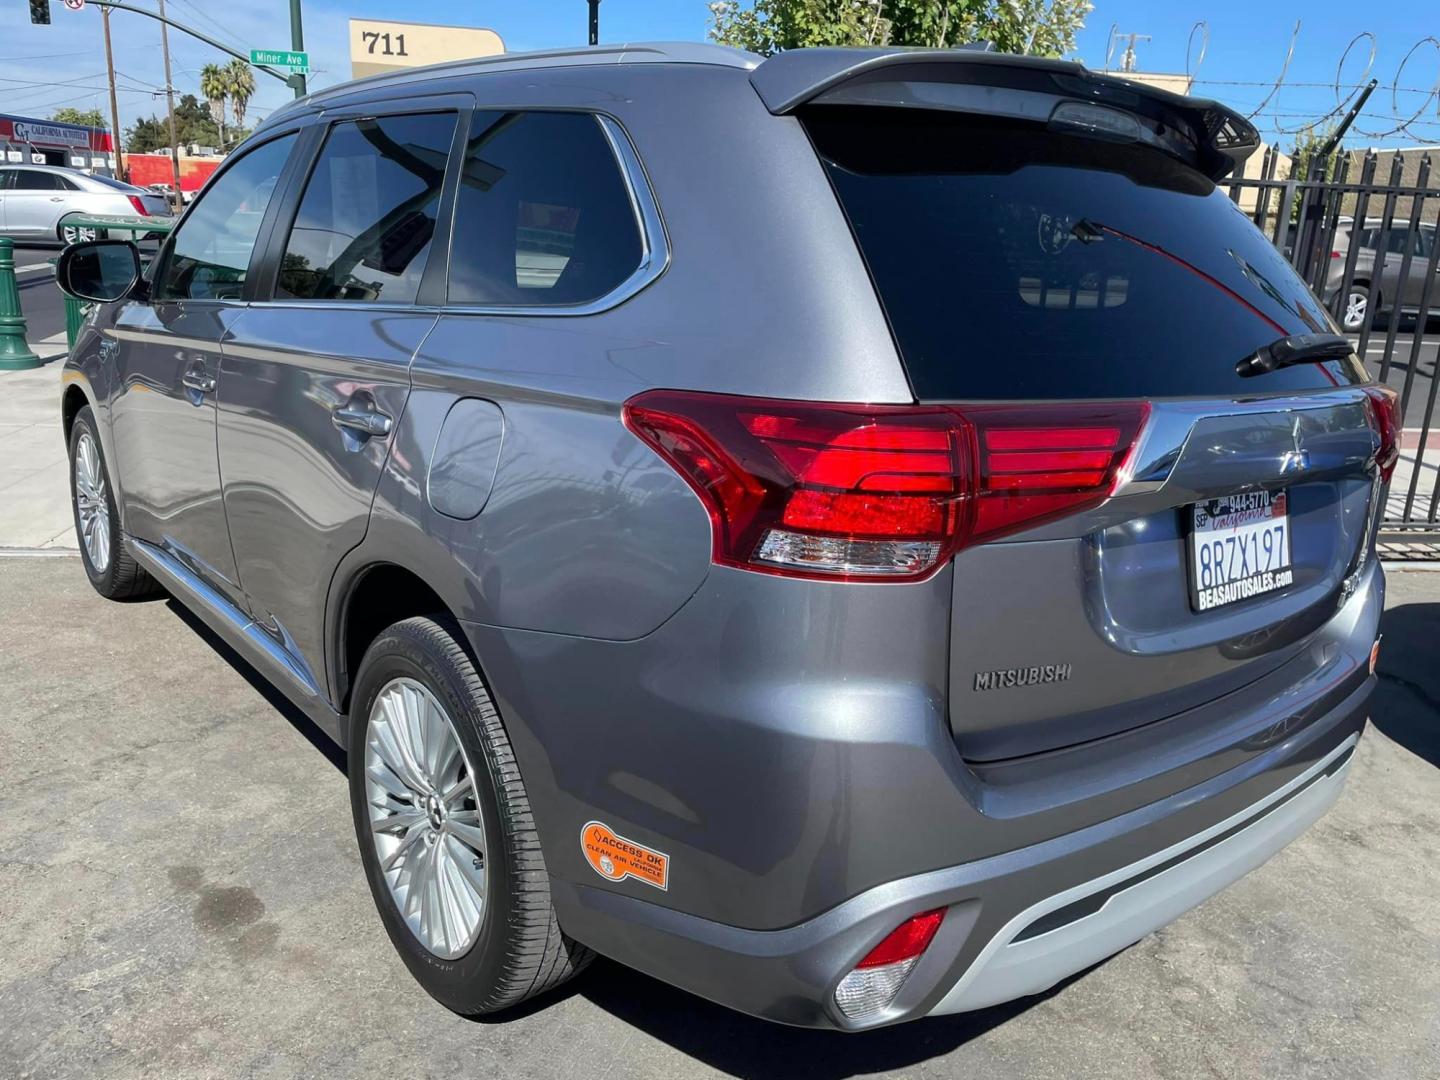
point(1049, 264)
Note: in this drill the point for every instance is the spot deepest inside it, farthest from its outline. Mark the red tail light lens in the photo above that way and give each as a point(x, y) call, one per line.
point(885, 492)
point(906, 941)
point(1386, 417)
point(139, 205)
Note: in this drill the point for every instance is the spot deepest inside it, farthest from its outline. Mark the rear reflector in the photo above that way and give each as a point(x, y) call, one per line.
point(139, 205)
point(885, 492)
point(1385, 416)
point(876, 980)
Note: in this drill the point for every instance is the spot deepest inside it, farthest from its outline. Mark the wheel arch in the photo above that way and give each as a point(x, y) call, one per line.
point(367, 599)
point(72, 400)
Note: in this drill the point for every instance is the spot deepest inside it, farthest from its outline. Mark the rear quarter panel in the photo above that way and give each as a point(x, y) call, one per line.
point(586, 531)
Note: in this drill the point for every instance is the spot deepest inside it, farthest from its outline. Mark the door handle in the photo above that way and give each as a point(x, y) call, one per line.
point(57, 198)
point(363, 420)
point(196, 379)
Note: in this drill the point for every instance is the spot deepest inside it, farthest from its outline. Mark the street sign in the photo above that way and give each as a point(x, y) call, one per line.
point(295, 61)
point(75, 5)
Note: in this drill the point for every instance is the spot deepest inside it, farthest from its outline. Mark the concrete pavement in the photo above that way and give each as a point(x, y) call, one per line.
point(180, 897)
point(34, 470)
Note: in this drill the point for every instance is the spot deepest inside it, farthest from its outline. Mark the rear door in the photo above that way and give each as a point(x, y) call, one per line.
point(1060, 271)
point(315, 377)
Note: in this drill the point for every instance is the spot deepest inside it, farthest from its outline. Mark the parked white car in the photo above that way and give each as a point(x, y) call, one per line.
point(33, 199)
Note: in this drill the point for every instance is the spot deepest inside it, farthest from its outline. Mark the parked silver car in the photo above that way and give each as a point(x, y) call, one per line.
point(858, 535)
point(1398, 284)
point(33, 199)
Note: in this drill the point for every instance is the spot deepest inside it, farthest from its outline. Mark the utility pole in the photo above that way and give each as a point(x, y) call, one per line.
point(170, 103)
point(297, 43)
point(594, 22)
point(114, 107)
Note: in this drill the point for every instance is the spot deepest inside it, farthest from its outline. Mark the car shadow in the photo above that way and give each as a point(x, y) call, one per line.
point(743, 1046)
point(298, 720)
point(1406, 707)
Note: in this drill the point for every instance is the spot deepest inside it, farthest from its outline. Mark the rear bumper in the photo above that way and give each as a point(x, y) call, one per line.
point(1016, 923)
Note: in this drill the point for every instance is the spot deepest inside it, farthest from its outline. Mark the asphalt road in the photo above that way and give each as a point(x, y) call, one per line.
point(1407, 357)
point(41, 301)
point(180, 897)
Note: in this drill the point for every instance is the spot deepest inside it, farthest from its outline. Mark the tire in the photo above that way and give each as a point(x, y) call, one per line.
point(108, 562)
point(516, 949)
point(69, 234)
point(1353, 304)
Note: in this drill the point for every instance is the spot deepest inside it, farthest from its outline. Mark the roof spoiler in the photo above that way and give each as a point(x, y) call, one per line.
point(1209, 136)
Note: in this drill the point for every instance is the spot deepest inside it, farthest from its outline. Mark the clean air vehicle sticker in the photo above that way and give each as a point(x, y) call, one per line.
point(614, 858)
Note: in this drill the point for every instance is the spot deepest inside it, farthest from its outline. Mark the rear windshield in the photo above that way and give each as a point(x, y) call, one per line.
point(1016, 262)
point(118, 185)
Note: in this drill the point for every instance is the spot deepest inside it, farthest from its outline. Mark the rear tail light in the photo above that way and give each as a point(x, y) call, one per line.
point(1385, 416)
point(887, 492)
point(876, 980)
point(139, 205)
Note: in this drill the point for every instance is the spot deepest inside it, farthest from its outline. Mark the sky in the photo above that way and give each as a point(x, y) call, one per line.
point(46, 67)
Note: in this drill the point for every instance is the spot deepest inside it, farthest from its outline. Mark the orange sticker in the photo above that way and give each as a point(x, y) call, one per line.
point(615, 858)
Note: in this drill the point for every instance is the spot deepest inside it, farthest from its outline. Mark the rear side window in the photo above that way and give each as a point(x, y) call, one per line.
point(543, 215)
point(367, 218)
point(1014, 262)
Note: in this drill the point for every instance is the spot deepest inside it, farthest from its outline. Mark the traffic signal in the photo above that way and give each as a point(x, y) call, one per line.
point(40, 12)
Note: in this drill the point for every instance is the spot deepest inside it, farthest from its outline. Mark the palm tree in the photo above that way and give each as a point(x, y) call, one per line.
point(242, 86)
point(215, 84)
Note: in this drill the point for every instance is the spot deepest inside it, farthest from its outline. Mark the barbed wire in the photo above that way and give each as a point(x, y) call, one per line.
point(1345, 90)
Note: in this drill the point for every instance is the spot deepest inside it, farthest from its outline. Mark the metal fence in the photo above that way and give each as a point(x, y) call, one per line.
point(1333, 232)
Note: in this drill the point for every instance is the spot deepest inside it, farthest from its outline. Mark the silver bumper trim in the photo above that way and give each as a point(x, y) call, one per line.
point(1008, 969)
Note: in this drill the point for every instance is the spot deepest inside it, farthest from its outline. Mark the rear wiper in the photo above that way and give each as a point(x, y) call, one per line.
point(1295, 349)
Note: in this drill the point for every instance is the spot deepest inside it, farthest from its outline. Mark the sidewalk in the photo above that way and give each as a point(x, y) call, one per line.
point(34, 471)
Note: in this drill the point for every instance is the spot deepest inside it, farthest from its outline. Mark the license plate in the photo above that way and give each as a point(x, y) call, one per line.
point(1239, 548)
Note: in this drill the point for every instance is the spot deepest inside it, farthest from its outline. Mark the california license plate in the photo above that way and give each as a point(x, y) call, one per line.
point(1239, 548)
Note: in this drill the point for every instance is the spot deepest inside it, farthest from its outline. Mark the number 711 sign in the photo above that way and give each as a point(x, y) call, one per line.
point(378, 45)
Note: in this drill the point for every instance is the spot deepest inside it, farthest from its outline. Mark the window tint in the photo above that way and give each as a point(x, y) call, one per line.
point(1017, 262)
point(34, 180)
point(210, 253)
point(543, 215)
point(366, 220)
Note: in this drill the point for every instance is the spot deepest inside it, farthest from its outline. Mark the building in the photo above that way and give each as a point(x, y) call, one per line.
point(45, 142)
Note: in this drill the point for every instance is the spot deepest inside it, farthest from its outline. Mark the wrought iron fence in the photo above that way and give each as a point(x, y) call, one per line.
point(1367, 244)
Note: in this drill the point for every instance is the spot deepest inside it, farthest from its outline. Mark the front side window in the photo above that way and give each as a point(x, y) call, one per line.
point(210, 253)
point(368, 214)
point(543, 215)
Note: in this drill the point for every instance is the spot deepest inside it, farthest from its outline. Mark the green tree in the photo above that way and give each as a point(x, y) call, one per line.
point(147, 135)
point(215, 86)
point(1031, 27)
point(85, 117)
point(1307, 144)
point(242, 88)
point(193, 124)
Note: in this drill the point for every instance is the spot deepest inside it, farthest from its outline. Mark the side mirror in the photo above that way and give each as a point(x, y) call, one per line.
point(99, 270)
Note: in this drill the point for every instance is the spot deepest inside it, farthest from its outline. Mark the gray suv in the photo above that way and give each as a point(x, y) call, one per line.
point(1397, 284)
point(857, 535)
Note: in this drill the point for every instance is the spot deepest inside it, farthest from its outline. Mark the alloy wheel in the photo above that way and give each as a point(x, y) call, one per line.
point(91, 508)
point(1355, 305)
point(72, 235)
point(425, 818)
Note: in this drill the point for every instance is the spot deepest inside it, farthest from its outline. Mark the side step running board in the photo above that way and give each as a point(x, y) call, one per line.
point(283, 669)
